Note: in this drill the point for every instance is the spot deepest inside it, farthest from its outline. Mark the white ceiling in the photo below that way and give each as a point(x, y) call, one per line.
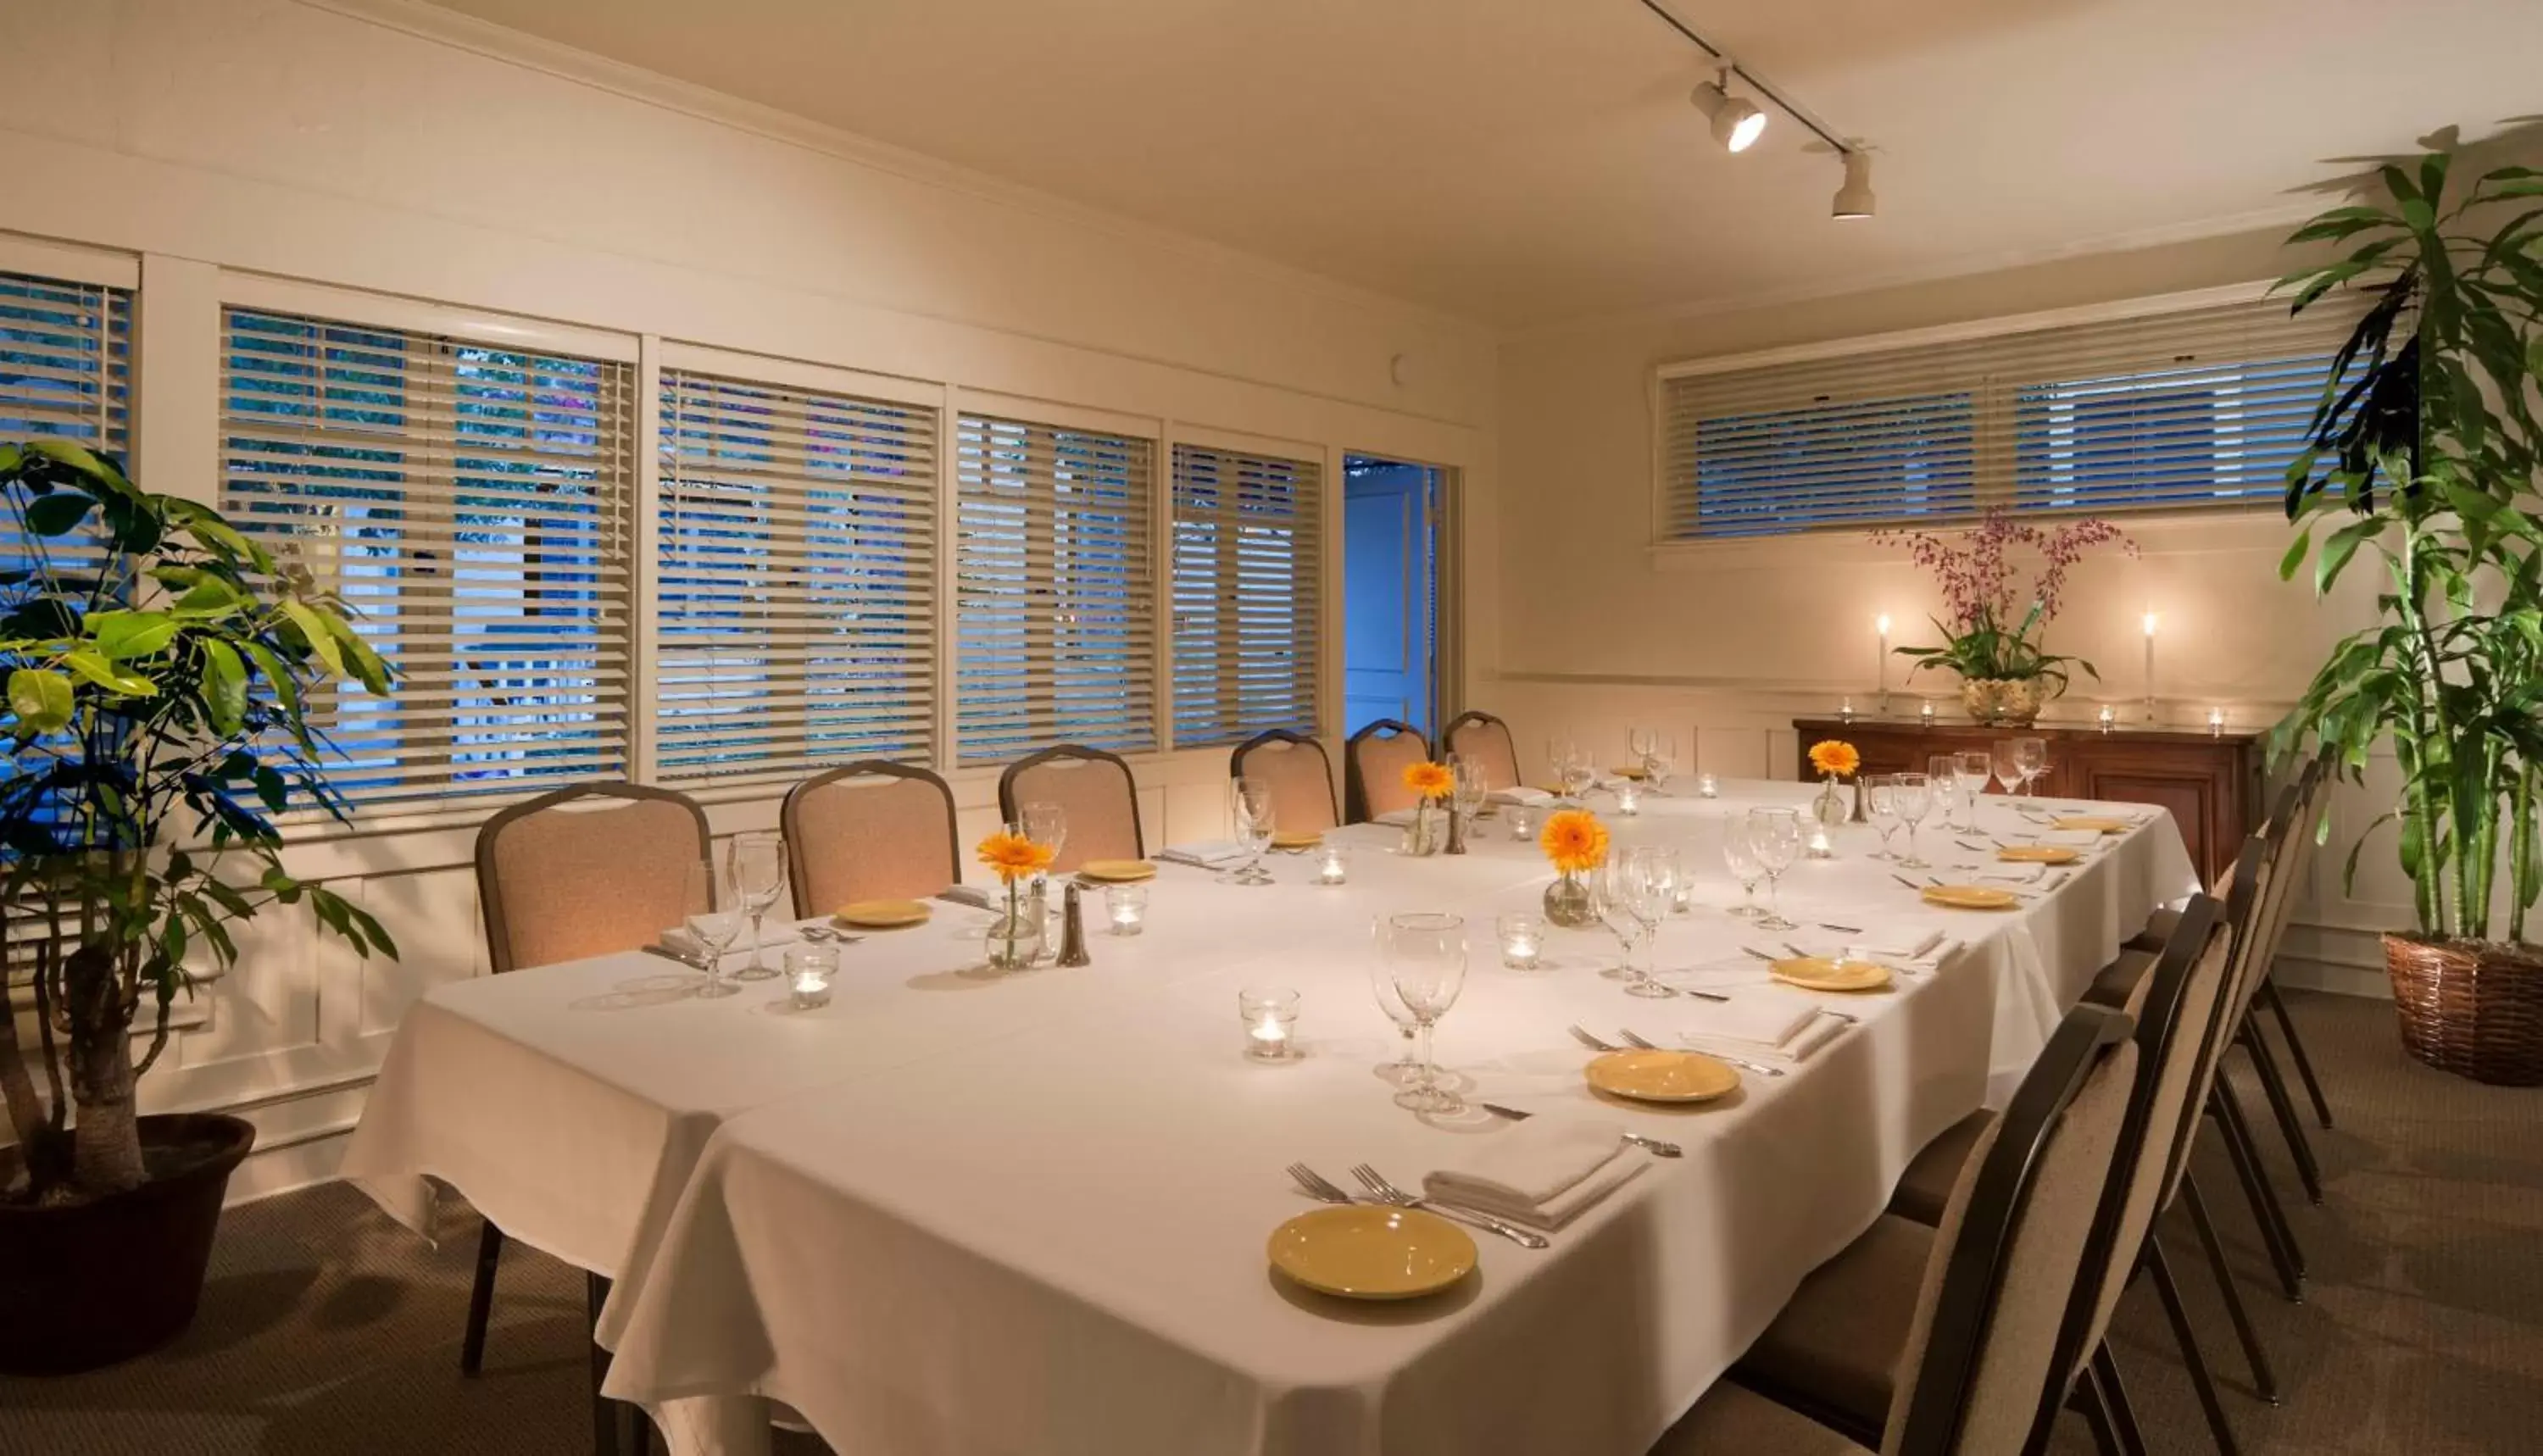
point(1528, 161)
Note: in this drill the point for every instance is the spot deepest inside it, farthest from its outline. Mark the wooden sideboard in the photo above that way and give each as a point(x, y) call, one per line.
point(2212, 783)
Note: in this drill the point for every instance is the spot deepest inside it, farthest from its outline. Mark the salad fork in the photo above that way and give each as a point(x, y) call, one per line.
point(1760, 1068)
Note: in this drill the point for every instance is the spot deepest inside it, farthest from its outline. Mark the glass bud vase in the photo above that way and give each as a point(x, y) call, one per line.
point(1422, 837)
point(1015, 938)
point(1566, 903)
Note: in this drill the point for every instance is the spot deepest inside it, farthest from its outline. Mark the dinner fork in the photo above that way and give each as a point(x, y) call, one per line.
point(1315, 1186)
point(1760, 1068)
point(1387, 1193)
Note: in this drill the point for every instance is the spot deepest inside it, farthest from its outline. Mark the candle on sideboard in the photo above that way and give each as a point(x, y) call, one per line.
point(1845, 710)
point(2151, 621)
point(2215, 722)
point(1881, 625)
point(1925, 711)
point(2107, 719)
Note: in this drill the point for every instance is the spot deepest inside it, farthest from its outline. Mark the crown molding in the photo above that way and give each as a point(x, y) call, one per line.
point(443, 26)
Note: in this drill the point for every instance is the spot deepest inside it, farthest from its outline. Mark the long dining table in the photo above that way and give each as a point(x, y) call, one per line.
point(956, 1211)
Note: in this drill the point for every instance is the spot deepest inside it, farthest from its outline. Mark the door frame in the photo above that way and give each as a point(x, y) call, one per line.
point(1447, 587)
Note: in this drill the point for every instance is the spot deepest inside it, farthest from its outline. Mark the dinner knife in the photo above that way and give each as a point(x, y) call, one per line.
point(1657, 1147)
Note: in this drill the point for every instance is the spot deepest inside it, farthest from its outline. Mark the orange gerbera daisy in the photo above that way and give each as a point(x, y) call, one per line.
point(1834, 756)
point(1430, 780)
point(1014, 857)
point(1573, 840)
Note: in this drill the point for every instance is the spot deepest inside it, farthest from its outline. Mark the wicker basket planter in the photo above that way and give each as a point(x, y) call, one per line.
point(2474, 1008)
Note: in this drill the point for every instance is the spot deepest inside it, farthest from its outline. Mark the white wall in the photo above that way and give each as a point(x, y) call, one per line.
point(213, 141)
point(1600, 630)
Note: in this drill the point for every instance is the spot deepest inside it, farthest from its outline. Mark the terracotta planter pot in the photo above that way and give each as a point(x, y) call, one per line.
point(2010, 701)
point(90, 1284)
point(2474, 1008)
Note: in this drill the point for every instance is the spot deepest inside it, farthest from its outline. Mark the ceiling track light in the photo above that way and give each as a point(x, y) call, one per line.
point(1854, 195)
point(1736, 121)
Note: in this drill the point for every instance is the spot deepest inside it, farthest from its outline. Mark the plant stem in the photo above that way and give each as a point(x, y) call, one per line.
point(2427, 886)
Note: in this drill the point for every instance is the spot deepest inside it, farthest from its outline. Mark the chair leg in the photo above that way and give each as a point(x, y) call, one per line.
point(2297, 1049)
point(2178, 1317)
point(481, 1299)
point(2115, 1396)
point(2263, 1379)
point(2096, 1411)
point(2273, 1086)
point(617, 1428)
point(2246, 1157)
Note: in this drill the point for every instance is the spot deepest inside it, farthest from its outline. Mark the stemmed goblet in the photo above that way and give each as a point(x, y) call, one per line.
point(1251, 799)
point(755, 865)
point(1975, 768)
point(715, 928)
point(1880, 807)
point(1741, 858)
point(2031, 754)
point(1775, 837)
point(1425, 960)
point(1913, 795)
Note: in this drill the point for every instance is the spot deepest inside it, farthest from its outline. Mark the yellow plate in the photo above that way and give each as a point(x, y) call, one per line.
point(1365, 1252)
point(1661, 1076)
point(882, 914)
point(2098, 823)
point(1970, 897)
point(1296, 839)
point(1820, 973)
point(2037, 854)
point(1118, 872)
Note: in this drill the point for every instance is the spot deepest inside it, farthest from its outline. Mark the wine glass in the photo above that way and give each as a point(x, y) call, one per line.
point(1381, 984)
point(1880, 807)
point(714, 929)
point(2008, 765)
point(755, 865)
point(1251, 798)
point(1741, 858)
point(1913, 794)
point(1661, 762)
point(1426, 958)
point(1977, 768)
point(1473, 787)
point(1639, 742)
point(1775, 837)
point(1558, 757)
point(1943, 778)
point(1044, 824)
point(1633, 900)
point(1579, 773)
point(2031, 754)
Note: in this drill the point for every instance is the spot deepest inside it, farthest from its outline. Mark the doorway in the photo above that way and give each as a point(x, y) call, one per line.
point(1393, 512)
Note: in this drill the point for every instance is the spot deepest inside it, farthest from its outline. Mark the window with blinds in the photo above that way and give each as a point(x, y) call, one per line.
point(795, 580)
point(1246, 584)
point(1055, 590)
point(471, 503)
point(65, 370)
point(2191, 410)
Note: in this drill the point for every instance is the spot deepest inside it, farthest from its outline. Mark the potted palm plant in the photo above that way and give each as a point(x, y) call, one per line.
point(159, 671)
point(2424, 458)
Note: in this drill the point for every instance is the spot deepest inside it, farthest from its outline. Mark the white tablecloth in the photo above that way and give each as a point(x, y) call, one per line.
point(1041, 1231)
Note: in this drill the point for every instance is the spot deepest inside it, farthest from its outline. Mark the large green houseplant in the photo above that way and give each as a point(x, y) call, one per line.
point(159, 668)
point(2424, 458)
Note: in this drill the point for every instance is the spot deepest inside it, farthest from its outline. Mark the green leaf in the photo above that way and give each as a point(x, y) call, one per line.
point(42, 698)
point(313, 626)
point(224, 686)
point(121, 633)
point(2295, 555)
point(2337, 550)
point(57, 514)
point(98, 671)
point(284, 686)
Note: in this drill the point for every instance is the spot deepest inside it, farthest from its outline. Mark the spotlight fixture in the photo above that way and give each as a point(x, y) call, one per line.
point(1736, 121)
point(1854, 198)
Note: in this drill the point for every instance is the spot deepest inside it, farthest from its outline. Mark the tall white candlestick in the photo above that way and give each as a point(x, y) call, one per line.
point(1881, 660)
point(2150, 619)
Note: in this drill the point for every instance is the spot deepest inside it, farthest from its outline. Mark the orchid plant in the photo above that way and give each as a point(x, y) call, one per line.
point(2002, 581)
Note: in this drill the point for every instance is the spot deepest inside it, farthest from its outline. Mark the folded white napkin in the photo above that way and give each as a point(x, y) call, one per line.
point(2073, 838)
point(1395, 817)
point(965, 894)
point(1764, 1016)
point(1900, 944)
point(2014, 873)
point(1814, 1033)
point(680, 941)
point(1209, 854)
point(1541, 1173)
point(1521, 795)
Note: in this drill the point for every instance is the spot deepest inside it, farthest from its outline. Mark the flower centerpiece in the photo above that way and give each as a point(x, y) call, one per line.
point(1997, 619)
point(1430, 785)
point(1016, 939)
point(1836, 759)
point(1576, 843)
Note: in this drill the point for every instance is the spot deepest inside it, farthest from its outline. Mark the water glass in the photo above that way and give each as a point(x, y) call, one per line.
point(1522, 941)
point(755, 866)
point(1250, 803)
point(1425, 955)
point(1126, 908)
point(714, 929)
point(1775, 837)
point(1913, 794)
point(1741, 858)
point(1880, 807)
point(1943, 777)
point(810, 969)
point(1976, 767)
point(2007, 765)
point(2031, 755)
point(1269, 1015)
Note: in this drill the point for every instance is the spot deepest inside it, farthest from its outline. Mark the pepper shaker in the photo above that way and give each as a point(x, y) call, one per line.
point(1072, 929)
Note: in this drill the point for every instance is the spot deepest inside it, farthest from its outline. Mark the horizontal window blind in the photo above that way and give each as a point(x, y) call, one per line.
point(65, 370)
point(795, 588)
point(2191, 408)
point(1248, 586)
point(1054, 592)
point(472, 504)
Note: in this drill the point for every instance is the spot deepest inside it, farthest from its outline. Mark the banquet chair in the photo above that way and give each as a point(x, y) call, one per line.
point(1095, 789)
point(1481, 739)
point(584, 871)
point(1373, 765)
point(871, 831)
point(1300, 778)
point(1969, 1307)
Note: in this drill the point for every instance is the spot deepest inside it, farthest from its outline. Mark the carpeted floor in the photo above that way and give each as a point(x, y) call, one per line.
point(328, 1330)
